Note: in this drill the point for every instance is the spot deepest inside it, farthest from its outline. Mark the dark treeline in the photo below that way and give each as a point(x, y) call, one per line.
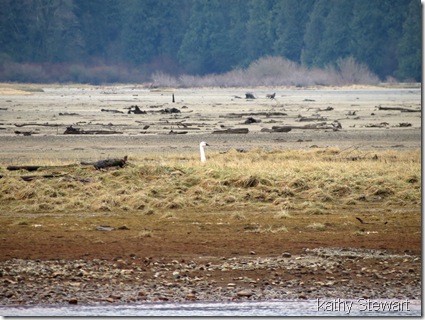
point(128, 40)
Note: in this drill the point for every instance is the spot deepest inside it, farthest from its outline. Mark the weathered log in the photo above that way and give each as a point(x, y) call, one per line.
point(35, 168)
point(111, 110)
point(246, 114)
point(237, 131)
point(28, 168)
point(101, 164)
point(71, 130)
point(44, 176)
point(37, 124)
point(177, 132)
point(25, 133)
point(307, 119)
point(281, 128)
point(399, 109)
point(68, 114)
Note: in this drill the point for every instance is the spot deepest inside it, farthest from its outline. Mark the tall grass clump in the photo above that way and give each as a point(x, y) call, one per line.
point(313, 181)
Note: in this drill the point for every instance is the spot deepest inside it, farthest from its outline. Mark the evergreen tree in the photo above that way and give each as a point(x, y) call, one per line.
point(409, 51)
point(289, 25)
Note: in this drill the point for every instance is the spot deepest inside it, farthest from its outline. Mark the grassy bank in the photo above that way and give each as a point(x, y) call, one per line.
point(316, 181)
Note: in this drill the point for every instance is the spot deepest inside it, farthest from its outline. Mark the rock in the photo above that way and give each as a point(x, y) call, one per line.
point(231, 284)
point(302, 296)
point(286, 255)
point(73, 301)
point(244, 293)
point(191, 297)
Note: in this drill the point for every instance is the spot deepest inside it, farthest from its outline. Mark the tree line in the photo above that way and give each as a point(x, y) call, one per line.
point(128, 40)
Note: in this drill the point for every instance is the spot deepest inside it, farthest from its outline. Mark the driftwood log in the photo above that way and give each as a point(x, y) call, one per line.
point(71, 130)
point(25, 133)
point(101, 164)
point(111, 110)
point(250, 114)
point(35, 168)
point(237, 131)
point(399, 109)
point(20, 125)
point(334, 126)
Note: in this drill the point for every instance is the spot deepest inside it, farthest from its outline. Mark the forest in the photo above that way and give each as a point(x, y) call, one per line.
point(135, 41)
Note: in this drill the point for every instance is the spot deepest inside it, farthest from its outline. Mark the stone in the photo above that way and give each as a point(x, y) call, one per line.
point(244, 293)
point(286, 255)
point(190, 296)
point(73, 301)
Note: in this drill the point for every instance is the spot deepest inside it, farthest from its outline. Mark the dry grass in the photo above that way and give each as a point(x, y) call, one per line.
point(317, 181)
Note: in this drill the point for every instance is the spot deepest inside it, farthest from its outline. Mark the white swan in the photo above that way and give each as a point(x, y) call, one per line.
point(201, 149)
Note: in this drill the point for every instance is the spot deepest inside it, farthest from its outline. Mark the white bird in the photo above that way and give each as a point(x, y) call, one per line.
point(201, 149)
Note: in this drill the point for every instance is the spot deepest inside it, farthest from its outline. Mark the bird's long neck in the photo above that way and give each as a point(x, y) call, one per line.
point(203, 158)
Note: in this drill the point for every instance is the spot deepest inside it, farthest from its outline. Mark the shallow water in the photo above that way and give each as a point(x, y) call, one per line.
point(325, 307)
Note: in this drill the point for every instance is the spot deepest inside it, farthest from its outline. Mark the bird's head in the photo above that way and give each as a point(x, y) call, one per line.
point(203, 144)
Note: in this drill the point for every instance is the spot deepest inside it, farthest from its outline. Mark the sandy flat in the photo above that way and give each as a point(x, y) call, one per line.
point(46, 115)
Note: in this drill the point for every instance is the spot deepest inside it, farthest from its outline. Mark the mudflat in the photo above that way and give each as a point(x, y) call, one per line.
point(219, 234)
point(200, 112)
